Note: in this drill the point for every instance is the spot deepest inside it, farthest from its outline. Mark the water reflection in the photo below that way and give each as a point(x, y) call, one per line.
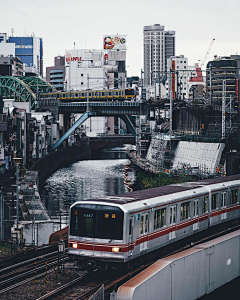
point(87, 179)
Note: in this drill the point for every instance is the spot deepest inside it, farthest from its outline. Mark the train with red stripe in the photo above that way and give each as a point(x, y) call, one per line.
point(114, 231)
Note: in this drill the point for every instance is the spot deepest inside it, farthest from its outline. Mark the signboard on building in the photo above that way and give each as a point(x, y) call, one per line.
point(114, 42)
point(24, 49)
point(3, 37)
point(23, 45)
point(69, 58)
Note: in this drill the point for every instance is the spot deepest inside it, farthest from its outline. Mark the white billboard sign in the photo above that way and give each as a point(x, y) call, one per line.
point(114, 42)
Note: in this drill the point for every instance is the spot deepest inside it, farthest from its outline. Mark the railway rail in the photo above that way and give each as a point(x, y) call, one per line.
point(21, 273)
point(76, 289)
point(25, 254)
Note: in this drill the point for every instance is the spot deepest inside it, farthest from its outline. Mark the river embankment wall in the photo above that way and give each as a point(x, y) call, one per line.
point(49, 164)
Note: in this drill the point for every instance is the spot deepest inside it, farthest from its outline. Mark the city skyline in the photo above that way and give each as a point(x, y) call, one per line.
point(61, 25)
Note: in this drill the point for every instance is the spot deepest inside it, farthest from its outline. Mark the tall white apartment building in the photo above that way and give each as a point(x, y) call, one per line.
point(159, 45)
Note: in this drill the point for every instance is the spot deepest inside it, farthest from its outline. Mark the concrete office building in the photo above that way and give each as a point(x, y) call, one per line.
point(223, 68)
point(159, 45)
point(56, 75)
point(30, 51)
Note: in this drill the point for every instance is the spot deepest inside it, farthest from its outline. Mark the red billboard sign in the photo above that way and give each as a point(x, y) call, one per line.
point(70, 58)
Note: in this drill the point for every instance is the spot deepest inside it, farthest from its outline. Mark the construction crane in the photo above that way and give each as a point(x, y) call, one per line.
point(209, 49)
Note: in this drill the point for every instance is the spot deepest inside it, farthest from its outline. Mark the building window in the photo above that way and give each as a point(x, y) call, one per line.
point(159, 218)
point(185, 211)
point(81, 83)
point(234, 197)
point(214, 201)
point(81, 74)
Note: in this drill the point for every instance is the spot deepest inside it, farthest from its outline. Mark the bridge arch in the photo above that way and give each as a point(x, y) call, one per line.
point(24, 88)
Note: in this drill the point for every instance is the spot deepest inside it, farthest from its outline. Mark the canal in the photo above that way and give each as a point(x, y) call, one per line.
point(87, 179)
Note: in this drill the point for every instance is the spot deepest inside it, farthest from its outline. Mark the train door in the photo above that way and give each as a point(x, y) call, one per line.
point(130, 236)
point(144, 231)
point(173, 210)
point(196, 214)
point(224, 205)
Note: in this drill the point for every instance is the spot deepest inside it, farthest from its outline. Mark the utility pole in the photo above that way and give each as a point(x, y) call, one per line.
point(33, 219)
point(170, 100)
point(224, 109)
point(230, 110)
point(141, 82)
point(88, 110)
point(159, 86)
point(1, 215)
point(177, 85)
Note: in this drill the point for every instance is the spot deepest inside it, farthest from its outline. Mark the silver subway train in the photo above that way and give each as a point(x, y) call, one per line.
point(115, 230)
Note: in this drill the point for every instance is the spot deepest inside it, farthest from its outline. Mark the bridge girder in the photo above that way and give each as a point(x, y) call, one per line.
point(23, 88)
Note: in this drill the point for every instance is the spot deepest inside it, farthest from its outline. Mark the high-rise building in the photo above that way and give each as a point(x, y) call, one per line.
point(159, 45)
point(223, 68)
point(30, 51)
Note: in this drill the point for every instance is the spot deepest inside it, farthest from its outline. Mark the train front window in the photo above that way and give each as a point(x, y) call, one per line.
point(129, 92)
point(97, 221)
point(109, 225)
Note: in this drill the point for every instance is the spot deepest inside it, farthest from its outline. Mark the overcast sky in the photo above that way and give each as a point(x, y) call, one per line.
point(61, 22)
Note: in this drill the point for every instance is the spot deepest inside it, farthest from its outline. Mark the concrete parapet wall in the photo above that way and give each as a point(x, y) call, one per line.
point(189, 274)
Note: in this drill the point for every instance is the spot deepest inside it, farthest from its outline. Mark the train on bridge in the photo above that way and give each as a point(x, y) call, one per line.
point(98, 95)
point(116, 231)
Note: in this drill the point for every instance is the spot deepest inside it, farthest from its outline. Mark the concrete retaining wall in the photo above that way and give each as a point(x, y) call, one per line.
point(189, 274)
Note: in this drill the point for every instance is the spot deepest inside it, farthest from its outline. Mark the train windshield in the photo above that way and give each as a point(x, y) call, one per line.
point(97, 221)
point(129, 92)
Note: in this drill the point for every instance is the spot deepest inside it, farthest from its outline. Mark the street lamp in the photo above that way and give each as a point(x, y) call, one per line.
point(17, 162)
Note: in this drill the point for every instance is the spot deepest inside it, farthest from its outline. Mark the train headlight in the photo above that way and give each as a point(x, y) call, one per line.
point(115, 249)
point(74, 245)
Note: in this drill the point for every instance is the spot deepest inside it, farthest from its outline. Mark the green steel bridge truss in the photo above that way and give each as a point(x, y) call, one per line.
point(24, 88)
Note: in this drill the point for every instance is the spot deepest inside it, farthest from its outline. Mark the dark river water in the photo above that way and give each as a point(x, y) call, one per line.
point(88, 179)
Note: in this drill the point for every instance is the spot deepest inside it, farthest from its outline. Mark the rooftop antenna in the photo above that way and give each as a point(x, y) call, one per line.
point(74, 45)
point(12, 31)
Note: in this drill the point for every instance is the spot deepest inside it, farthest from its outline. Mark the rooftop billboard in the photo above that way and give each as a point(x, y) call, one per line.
point(23, 45)
point(114, 42)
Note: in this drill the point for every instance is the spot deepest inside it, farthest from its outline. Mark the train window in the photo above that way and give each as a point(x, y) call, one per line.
point(214, 201)
point(103, 222)
point(172, 215)
point(185, 211)
point(74, 222)
point(160, 218)
point(196, 204)
point(234, 197)
point(223, 199)
point(129, 92)
point(109, 225)
point(205, 205)
point(146, 223)
point(142, 224)
point(130, 227)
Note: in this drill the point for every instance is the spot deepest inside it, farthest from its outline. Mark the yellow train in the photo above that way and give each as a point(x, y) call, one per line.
point(102, 95)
